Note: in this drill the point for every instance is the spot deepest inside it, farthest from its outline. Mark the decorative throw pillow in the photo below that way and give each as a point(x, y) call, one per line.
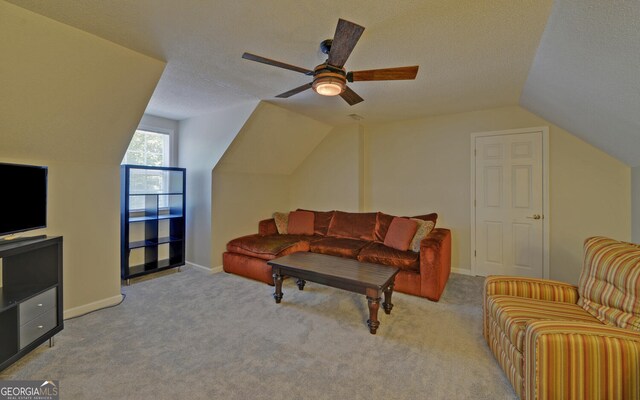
point(300, 223)
point(424, 228)
point(400, 233)
point(282, 221)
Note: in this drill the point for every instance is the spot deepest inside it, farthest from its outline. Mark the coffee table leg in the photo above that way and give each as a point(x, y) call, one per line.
point(301, 283)
point(277, 280)
point(373, 298)
point(387, 305)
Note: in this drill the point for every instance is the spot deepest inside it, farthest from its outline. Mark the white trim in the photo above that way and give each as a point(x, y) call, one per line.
point(217, 269)
point(462, 271)
point(213, 270)
point(545, 189)
point(93, 306)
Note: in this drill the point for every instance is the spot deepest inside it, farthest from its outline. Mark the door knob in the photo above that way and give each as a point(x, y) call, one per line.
point(535, 216)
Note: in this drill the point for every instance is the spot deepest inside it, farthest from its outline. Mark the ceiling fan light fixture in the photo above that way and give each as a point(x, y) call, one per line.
point(329, 85)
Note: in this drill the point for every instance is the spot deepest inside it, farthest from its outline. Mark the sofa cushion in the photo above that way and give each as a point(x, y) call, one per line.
point(269, 247)
point(512, 314)
point(378, 253)
point(341, 247)
point(267, 227)
point(400, 233)
point(609, 285)
point(352, 225)
point(300, 223)
point(321, 221)
point(382, 226)
point(428, 217)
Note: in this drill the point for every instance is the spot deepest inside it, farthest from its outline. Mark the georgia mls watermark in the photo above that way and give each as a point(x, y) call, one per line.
point(29, 390)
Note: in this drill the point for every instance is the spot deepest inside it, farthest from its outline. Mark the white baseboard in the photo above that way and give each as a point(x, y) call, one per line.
point(96, 305)
point(217, 269)
point(462, 271)
point(213, 270)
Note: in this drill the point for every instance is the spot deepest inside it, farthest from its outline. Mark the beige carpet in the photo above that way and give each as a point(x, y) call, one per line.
point(196, 335)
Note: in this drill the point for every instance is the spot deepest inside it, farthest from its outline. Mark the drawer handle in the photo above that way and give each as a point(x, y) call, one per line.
point(40, 326)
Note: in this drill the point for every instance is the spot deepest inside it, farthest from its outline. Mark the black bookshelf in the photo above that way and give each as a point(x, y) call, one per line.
point(152, 219)
point(31, 309)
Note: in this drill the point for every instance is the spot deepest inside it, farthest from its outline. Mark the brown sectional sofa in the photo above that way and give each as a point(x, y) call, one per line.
point(353, 235)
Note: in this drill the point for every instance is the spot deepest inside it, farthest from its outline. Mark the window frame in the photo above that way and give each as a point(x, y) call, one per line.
point(173, 148)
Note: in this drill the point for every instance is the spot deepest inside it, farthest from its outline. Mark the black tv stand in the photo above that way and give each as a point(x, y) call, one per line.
point(21, 239)
point(30, 295)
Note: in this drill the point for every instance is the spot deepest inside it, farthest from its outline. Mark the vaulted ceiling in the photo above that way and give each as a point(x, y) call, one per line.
point(586, 74)
point(574, 62)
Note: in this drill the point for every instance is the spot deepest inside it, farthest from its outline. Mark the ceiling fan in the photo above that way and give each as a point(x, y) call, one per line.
point(330, 78)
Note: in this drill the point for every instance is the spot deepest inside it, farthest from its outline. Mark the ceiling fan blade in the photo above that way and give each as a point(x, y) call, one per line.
point(268, 61)
point(295, 91)
point(350, 96)
point(384, 74)
point(344, 40)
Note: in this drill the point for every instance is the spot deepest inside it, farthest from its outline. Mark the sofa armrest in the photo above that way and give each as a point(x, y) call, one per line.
point(532, 288)
point(267, 227)
point(577, 360)
point(435, 263)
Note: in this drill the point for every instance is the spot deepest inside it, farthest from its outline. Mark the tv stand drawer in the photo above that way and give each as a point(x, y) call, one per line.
point(37, 327)
point(37, 305)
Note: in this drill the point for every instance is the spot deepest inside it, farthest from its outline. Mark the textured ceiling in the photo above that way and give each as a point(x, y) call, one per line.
point(586, 74)
point(473, 54)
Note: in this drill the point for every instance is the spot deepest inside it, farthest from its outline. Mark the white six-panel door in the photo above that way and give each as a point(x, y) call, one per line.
point(509, 204)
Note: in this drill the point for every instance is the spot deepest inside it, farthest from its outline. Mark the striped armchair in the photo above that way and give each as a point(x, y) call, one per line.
point(558, 341)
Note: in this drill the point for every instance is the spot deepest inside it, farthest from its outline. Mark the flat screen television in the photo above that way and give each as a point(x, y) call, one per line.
point(23, 198)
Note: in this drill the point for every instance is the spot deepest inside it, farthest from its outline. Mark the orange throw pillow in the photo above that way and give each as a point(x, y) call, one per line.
point(400, 233)
point(300, 223)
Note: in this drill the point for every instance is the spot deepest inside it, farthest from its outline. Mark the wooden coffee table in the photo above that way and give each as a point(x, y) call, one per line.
point(342, 273)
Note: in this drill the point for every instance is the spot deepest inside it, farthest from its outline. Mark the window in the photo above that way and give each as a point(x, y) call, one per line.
point(150, 149)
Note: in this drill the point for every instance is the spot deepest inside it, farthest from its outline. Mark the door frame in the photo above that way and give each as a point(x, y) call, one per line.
point(545, 192)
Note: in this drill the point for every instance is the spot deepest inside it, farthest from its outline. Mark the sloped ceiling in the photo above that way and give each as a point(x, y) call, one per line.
point(582, 74)
point(67, 95)
point(272, 141)
point(473, 54)
point(586, 74)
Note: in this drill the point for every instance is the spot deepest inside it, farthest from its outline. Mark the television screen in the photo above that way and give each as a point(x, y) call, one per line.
point(23, 198)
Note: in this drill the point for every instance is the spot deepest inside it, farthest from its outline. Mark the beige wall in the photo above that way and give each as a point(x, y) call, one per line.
point(328, 179)
point(590, 195)
point(72, 101)
point(202, 141)
point(239, 201)
point(635, 204)
point(424, 165)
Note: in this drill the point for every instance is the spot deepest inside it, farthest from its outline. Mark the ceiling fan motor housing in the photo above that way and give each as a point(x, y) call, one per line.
point(329, 80)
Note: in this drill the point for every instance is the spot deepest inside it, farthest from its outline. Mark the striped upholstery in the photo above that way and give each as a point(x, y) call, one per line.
point(610, 282)
point(553, 344)
point(510, 359)
point(513, 313)
point(532, 288)
point(589, 362)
